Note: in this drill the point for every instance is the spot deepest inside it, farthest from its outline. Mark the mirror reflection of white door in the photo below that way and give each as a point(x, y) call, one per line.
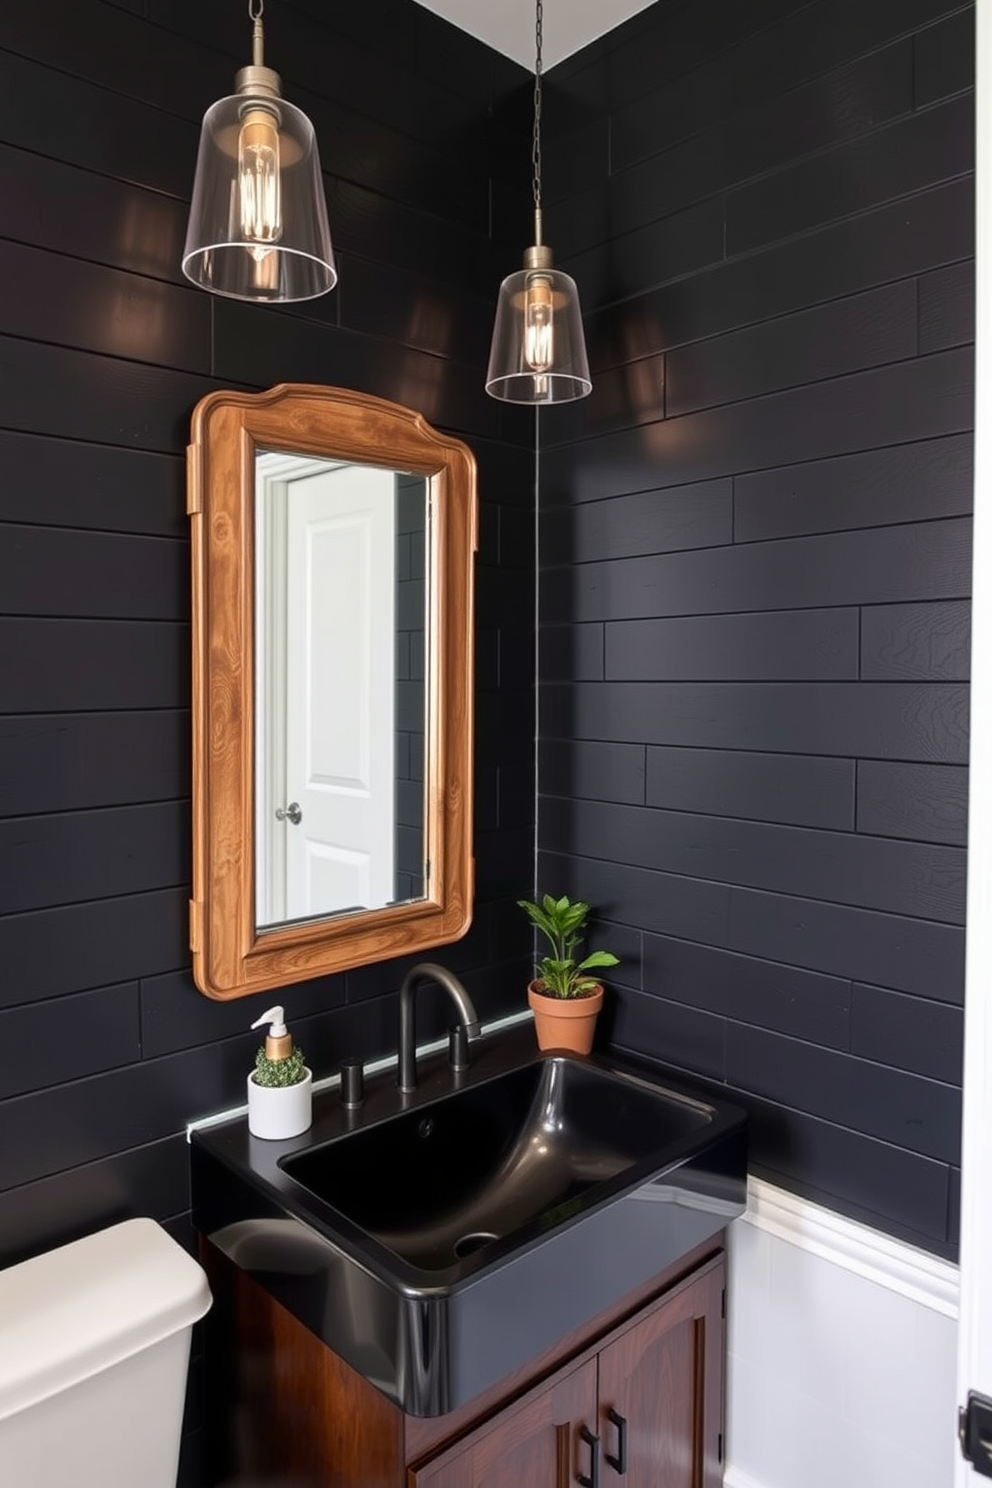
point(339, 689)
point(329, 751)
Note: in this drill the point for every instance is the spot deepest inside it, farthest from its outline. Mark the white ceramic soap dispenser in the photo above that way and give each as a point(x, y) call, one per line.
point(280, 1087)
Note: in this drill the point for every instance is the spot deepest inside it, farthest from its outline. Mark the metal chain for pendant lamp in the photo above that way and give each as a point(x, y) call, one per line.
point(538, 352)
point(536, 145)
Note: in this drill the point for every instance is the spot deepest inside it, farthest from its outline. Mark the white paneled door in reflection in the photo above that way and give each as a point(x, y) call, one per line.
point(326, 694)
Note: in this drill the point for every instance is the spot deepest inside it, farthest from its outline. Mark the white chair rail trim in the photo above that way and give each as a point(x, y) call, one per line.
point(903, 1268)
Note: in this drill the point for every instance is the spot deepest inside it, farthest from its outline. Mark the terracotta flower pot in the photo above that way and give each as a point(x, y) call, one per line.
point(565, 1022)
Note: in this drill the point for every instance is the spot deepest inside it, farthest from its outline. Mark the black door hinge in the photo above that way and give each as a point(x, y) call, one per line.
point(719, 1447)
point(975, 1433)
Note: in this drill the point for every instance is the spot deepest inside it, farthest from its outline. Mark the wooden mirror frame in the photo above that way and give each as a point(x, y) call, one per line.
point(231, 957)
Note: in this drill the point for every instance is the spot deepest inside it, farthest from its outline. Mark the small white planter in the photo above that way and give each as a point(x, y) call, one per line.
point(277, 1111)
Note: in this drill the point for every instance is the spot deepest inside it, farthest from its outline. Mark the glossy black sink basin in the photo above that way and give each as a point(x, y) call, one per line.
point(526, 1149)
point(439, 1240)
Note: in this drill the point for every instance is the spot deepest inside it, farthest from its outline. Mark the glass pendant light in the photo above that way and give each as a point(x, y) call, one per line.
point(258, 223)
point(538, 353)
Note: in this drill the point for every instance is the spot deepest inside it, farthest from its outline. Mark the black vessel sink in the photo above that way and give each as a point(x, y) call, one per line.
point(523, 1151)
point(439, 1240)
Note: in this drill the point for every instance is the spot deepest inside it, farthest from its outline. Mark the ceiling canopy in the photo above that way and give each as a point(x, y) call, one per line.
point(508, 25)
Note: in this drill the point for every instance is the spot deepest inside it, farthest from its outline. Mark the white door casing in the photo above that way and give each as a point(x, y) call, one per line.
point(975, 1326)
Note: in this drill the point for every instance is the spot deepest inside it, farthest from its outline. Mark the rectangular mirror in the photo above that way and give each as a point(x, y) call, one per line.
point(333, 541)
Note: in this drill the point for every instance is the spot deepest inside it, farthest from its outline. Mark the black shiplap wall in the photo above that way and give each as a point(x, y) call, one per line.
point(106, 1048)
point(755, 569)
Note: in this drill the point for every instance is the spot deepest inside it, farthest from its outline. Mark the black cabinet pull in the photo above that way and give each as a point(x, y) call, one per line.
point(592, 1481)
point(619, 1462)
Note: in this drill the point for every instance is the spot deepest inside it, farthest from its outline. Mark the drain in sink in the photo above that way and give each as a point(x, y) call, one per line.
point(475, 1240)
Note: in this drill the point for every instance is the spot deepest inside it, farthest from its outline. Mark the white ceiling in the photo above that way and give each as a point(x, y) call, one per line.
point(508, 25)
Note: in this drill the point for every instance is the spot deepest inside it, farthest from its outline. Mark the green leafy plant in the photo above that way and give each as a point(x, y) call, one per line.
point(277, 1072)
point(564, 925)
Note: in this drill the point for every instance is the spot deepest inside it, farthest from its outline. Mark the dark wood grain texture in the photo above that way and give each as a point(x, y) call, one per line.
point(662, 1378)
point(83, 856)
point(777, 270)
point(784, 999)
point(918, 879)
point(696, 516)
point(944, 61)
point(812, 645)
point(784, 50)
point(897, 1106)
point(151, 1180)
point(908, 155)
point(55, 762)
point(922, 957)
point(533, 1443)
point(926, 722)
point(901, 483)
point(909, 1033)
point(91, 487)
point(802, 790)
point(864, 330)
point(769, 132)
point(283, 1402)
point(916, 640)
point(874, 1182)
point(928, 802)
point(45, 1044)
point(887, 243)
point(574, 653)
point(880, 214)
point(947, 307)
point(273, 1375)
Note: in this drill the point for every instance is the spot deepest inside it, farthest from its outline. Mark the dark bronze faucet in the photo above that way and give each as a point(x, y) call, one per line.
point(427, 971)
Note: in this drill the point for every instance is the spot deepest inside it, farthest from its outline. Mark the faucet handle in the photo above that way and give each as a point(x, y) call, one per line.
point(352, 1083)
point(458, 1057)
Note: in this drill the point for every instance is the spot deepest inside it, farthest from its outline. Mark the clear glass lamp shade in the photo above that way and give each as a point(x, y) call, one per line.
point(538, 352)
point(258, 221)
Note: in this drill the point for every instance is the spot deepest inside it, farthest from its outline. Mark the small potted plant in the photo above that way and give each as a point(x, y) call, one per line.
point(563, 997)
point(280, 1086)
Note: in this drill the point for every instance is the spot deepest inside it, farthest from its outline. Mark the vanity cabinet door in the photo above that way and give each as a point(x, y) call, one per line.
point(536, 1443)
point(661, 1392)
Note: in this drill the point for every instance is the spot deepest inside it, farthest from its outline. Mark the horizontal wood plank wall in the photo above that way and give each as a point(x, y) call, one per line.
point(106, 1049)
point(755, 570)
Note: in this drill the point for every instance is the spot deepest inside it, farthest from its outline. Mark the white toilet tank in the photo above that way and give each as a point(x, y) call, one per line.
point(94, 1347)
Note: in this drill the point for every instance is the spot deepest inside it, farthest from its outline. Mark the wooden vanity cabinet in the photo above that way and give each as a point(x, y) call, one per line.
point(660, 1392)
point(633, 1400)
point(643, 1409)
point(537, 1442)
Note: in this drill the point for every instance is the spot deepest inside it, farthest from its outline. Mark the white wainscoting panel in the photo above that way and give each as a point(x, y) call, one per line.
point(841, 1353)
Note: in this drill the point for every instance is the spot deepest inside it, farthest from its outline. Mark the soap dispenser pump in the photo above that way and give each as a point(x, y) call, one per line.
point(280, 1087)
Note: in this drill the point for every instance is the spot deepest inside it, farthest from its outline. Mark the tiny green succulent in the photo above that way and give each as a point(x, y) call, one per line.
point(278, 1072)
point(563, 923)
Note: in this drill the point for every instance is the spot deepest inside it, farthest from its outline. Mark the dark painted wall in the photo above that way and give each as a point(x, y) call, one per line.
point(106, 1048)
point(756, 549)
point(755, 570)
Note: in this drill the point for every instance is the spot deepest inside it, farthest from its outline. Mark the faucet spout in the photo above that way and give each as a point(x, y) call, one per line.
point(427, 971)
